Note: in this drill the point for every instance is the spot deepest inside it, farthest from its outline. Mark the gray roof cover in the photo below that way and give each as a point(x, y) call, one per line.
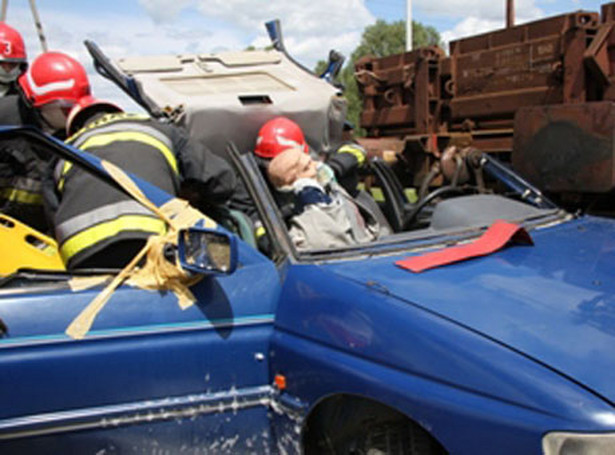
point(228, 96)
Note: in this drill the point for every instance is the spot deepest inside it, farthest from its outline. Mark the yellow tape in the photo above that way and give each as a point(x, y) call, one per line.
point(157, 273)
point(80, 283)
point(81, 324)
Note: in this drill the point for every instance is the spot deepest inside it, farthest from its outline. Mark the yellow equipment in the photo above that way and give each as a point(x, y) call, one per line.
point(24, 247)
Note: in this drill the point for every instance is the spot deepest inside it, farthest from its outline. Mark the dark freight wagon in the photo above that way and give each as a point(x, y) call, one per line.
point(538, 95)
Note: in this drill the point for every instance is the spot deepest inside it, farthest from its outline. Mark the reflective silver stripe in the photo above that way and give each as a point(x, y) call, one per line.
point(124, 127)
point(57, 171)
point(108, 212)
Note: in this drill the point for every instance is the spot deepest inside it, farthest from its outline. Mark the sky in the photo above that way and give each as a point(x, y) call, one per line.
point(310, 27)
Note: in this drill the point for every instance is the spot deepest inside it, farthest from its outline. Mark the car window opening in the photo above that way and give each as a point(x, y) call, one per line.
point(255, 100)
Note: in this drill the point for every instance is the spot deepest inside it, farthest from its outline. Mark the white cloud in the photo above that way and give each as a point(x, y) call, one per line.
point(468, 27)
point(310, 27)
point(484, 16)
point(118, 35)
point(483, 10)
point(164, 10)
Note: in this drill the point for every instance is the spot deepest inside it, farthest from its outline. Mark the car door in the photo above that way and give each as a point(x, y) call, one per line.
point(148, 376)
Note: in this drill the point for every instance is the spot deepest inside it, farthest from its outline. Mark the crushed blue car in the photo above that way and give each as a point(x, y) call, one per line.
point(328, 351)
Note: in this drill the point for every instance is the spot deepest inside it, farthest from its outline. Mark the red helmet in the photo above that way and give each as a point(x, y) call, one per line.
point(84, 109)
point(12, 48)
point(277, 135)
point(54, 76)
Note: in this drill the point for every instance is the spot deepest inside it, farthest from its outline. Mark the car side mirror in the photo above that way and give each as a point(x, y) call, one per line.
point(206, 251)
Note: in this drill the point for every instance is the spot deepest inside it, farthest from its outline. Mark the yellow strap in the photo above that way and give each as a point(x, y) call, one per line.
point(81, 283)
point(357, 152)
point(157, 273)
point(105, 139)
point(129, 185)
point(21, 196)
point(82, 323)
point(102, 231)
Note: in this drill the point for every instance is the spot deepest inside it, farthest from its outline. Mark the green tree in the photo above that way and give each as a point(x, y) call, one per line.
point(379, 40)
point(384, 38)
point(252, 48)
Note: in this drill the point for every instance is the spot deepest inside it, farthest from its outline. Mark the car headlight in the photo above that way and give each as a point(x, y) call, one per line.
point(560, 443)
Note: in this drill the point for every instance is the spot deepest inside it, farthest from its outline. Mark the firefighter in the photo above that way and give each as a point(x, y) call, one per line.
point(48, 90)
point(13, 60)
point(98, 226)
point(52, 85)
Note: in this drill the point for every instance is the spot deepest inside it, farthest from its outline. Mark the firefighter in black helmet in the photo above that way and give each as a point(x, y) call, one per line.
point(98, 226)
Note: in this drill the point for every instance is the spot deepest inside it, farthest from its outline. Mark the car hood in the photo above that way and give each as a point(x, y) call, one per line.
point(553, 302)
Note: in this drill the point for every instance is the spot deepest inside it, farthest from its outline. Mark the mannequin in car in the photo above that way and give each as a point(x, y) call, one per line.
point(325, 215)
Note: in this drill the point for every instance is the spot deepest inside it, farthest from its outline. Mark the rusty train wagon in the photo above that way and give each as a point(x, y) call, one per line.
point(539, 95)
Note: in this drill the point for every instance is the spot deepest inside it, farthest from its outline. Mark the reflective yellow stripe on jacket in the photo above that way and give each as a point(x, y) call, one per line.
point(354, 149)
point(107, 119)
point(100, 140)
point(95, 234)
point(103, 139)
point(21, 196)
point(65, 168)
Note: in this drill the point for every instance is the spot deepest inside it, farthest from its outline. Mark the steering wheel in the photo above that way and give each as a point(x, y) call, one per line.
point(411, 217)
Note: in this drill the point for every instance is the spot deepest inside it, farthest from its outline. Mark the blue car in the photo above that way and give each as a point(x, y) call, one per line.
point(335, 351)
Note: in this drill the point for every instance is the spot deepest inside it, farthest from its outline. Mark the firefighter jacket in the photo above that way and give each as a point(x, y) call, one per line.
point(92, 215)
point(345, 162)
point(22, 166)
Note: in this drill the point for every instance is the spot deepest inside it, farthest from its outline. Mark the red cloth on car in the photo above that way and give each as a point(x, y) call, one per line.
point(495, 238)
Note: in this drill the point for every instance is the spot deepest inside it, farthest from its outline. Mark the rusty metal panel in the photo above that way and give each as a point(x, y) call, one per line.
point(517, 67)
point(567, 148)
point(538, 63)
point(486, 78)
point(401, 93)
point(600, 58)
point(608, 12)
